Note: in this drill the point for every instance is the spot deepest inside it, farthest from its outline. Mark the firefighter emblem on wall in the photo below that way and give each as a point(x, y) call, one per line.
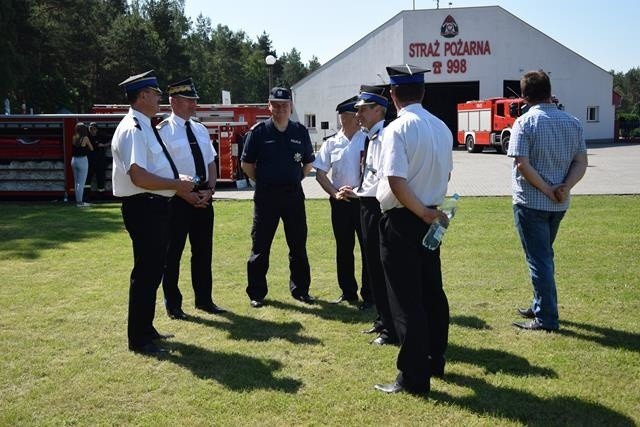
point(449, 27)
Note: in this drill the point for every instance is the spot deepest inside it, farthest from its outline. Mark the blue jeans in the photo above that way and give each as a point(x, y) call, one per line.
point(80, 166)
point(537, 230)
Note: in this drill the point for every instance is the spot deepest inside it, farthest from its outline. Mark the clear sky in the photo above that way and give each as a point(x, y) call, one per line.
point(605, 32)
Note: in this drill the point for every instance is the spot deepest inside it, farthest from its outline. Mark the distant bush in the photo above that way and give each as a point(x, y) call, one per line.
point(629, 122)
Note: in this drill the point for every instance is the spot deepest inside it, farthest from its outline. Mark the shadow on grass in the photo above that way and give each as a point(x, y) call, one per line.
point(325, 310)
point(495, 361)
point(520, 406)
point(235, 371)
point(251, 329)
point(27, 229)
point(604, 336)
point(471, 322)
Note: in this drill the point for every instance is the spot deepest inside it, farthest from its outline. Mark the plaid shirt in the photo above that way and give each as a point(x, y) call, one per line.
point(550, 139)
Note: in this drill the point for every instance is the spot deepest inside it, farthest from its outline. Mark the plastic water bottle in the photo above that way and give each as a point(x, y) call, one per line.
point(434, 235)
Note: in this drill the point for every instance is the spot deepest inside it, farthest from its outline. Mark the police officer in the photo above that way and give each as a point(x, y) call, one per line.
point(146, 178)
point(277, 155)
point(416, 163)
point(372, 108)
point(189, 144)
point(340, 154)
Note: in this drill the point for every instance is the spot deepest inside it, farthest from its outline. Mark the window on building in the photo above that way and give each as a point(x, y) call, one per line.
point(310, 120)
point(592, 114)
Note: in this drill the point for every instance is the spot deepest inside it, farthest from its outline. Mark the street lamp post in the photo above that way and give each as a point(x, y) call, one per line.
point(270, 60)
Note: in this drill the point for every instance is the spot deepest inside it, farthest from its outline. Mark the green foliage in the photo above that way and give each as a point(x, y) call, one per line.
point(628, 123)
point(71, 54)
point(628, 85)
point(63, 310)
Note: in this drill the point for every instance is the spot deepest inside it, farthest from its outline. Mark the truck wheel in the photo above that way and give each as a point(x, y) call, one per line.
point(469, 142)
point(504, 145)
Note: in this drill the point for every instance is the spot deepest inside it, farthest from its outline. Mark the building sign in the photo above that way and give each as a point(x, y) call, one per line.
point(451, 56)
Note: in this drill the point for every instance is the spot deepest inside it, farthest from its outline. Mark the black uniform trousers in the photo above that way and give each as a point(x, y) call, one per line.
point(345, 220)
point(197, 223)
point(146, 218)
point(370, 214)
point(97, 167)
point(271, 203)
point(418, 303)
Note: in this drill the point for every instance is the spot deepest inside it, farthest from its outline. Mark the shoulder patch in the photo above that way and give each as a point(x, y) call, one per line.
point(135, 120)
point(162, 124)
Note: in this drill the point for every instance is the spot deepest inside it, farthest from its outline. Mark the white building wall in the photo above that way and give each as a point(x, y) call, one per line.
point(413, 37)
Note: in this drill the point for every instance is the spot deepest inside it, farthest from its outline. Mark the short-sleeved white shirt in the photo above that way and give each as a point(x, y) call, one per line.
point(135, 143)
point(416, 146)
point(173, 131)
point(341, 157)
point(372, 171)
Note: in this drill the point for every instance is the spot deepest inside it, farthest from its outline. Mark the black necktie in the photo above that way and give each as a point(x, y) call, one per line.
point(363, 161)
point(197, 154)
point(166, 152)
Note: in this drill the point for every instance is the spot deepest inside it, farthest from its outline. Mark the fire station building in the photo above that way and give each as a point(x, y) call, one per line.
point(474, 53)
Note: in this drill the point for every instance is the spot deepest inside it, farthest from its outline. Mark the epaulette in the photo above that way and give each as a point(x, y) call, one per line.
point(374, 136)
point(135, 120)
point(162, 124)
point(256, 125)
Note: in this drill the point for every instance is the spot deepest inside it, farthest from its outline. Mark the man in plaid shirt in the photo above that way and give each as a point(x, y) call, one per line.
point(550, 157)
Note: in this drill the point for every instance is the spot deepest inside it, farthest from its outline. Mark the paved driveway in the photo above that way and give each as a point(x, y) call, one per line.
point(613, 169)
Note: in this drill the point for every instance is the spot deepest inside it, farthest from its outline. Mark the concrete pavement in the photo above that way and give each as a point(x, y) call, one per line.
point(613, 169)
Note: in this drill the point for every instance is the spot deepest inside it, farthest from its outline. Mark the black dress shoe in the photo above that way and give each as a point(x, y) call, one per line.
point(342, 298)
point(150, 348)
point(375, 329)
point(176, 313)
point(382, 340)
point(527, 313)
point(307, 299)
point(211, 308)
point(532, 325)
point(394, 387)
point(365, 305)
point(257, 303)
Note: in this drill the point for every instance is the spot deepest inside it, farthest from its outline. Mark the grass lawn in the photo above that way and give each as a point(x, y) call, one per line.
point(63, 308)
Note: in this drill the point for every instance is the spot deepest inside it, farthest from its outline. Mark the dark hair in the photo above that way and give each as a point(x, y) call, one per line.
point(133, 96)
point(535, 86)
point(409, 93)
point(80, 132)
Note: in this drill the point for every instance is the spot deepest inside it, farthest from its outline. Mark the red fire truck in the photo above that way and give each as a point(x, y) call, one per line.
point(488, 123)
point(35, 150)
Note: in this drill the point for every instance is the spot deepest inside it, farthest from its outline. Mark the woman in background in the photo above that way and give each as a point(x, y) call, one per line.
point(79, 162)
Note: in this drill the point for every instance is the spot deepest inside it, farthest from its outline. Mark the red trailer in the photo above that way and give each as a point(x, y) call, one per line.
point(35, 152)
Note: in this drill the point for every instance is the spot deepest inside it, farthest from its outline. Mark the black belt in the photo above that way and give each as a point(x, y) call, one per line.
point(147, 196)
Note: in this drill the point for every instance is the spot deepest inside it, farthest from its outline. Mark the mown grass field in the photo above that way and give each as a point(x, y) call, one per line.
point(64, 359)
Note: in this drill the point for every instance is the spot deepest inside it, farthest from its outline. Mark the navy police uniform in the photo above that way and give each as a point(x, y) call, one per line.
point(417, 148)
point(341, 156)
point(370, 215)
point(145, 212)
point(190, 146)
point(279, 158)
